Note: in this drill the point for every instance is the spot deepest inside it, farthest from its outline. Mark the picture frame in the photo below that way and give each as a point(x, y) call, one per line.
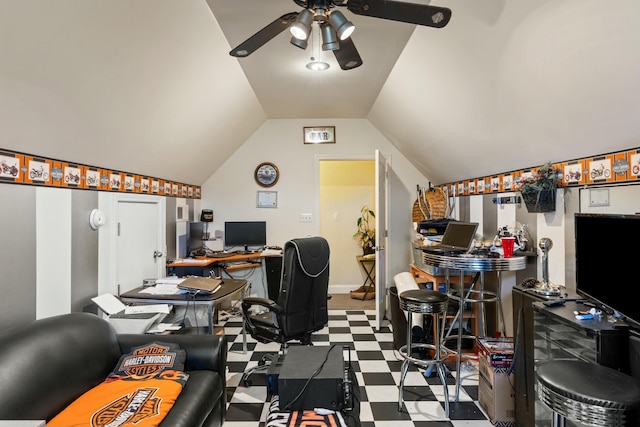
point(319, 135)
point(267, 199)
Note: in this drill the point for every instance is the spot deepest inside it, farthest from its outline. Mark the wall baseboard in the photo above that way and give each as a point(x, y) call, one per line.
point(342, 289)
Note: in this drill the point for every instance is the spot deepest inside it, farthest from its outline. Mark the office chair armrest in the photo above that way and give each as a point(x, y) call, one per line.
point(264, 302)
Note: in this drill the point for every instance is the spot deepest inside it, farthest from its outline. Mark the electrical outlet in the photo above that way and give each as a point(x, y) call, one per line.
point(305, 217)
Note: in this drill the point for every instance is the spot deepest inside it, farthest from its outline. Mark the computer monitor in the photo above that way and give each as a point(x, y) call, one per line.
point(245, 234)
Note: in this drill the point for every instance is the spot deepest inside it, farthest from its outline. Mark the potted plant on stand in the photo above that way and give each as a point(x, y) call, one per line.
point(366, 238)
point(366, 234)
point(539, 190)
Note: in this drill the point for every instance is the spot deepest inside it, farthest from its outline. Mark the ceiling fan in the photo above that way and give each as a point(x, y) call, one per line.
point(336, 29)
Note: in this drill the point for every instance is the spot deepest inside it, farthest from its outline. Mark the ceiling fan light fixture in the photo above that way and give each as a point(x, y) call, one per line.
point(341, 24)
point(317, 66)
point(316, 63)
point(301, 28)
point(329, 38)
point(302, 44)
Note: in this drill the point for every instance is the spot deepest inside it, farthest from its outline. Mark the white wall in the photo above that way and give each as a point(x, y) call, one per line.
point(53, 252)
point(231, 191)
point(552, 225)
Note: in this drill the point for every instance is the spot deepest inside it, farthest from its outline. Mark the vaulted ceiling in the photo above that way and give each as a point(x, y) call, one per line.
point(120, 83)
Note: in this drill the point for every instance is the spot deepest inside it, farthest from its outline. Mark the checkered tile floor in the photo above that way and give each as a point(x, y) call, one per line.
point(377, 368)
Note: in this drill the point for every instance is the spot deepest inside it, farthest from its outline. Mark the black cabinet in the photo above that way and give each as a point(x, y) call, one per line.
point(524, 362)
point(559, 335)
point(523, 369)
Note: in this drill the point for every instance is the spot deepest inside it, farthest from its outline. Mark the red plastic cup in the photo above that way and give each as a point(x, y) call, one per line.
point(507, 246)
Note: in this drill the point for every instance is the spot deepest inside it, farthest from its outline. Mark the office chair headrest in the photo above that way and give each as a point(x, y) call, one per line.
point(312, 253)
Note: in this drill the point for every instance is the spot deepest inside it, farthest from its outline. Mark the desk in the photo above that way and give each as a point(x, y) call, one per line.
point(230, 288)
point(205, 266)
point(470, 263)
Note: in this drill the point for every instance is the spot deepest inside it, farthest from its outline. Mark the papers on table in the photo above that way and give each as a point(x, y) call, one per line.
point(163, 290)
point(109, 303)
point(171, 280)
point(165, 286)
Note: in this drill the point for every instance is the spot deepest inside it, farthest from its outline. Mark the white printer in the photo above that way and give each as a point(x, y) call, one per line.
point(130, 319)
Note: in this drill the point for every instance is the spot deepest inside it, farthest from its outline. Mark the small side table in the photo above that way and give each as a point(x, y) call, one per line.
point(368, 288)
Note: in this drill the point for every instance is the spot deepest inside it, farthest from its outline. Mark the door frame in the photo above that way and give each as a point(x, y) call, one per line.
point(108, 234)
point(382, 234)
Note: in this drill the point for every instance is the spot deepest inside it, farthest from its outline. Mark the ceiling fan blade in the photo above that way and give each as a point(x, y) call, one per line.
point(347, 56)
point(412, 13)
point(260, 38)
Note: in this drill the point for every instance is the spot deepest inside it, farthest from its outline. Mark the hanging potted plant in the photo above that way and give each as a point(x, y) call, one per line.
point(366, 234)
point(539, 190)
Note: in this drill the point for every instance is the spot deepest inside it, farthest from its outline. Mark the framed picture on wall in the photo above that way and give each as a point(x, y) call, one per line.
point(267, 199)
point(319, 135)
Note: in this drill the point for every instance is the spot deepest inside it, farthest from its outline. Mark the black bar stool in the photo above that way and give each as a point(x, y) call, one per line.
point(422, 301)
point(588, 393)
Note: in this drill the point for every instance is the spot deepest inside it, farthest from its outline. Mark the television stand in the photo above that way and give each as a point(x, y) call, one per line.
point(557, 334)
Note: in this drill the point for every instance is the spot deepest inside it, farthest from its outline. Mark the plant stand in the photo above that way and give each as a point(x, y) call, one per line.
point(368, 289)
point(541, 201)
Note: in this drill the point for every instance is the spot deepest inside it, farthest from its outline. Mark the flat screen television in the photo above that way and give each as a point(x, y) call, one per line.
point(245, 234)
point(606, 262)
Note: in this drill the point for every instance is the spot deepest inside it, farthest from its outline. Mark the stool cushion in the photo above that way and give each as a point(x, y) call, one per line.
point(421, 296)
point(590, 383)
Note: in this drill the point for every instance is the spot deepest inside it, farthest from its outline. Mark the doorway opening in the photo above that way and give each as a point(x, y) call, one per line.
point(345, 186)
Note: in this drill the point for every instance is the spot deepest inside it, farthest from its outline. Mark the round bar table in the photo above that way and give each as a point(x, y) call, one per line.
point(465, 263)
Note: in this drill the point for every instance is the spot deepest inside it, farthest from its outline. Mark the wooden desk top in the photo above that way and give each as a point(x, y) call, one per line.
point(205, 261)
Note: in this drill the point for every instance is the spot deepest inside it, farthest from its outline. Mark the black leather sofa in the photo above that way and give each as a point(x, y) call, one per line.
point(46, 364)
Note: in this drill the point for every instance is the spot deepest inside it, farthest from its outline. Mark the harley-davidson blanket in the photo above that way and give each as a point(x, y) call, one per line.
point(275, 418)
point(139, 393)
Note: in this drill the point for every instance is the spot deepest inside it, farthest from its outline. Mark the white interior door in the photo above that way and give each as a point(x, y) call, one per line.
point(381, 237)
point(139, 244)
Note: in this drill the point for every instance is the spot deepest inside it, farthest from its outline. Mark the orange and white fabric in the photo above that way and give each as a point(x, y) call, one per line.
point(139, 393)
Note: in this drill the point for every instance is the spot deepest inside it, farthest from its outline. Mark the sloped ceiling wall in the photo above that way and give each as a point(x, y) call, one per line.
point(528, 82)
point(141, 86)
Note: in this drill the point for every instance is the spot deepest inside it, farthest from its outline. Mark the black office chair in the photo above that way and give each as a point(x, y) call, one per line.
point(301, 308)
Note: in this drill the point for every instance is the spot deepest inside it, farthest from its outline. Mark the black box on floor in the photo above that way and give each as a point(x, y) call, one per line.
point(301, 388)
point(273, 372)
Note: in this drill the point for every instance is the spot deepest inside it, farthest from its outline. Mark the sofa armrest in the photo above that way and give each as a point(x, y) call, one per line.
point(204, 352)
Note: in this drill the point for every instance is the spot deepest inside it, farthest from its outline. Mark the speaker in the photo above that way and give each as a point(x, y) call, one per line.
point(218, 234)
point(312, 377)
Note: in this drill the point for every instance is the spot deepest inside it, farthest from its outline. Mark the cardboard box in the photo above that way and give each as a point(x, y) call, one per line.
point(496, 393)
point(497, 351)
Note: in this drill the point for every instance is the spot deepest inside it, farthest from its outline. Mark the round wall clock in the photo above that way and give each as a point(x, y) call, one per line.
point(266, 174)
